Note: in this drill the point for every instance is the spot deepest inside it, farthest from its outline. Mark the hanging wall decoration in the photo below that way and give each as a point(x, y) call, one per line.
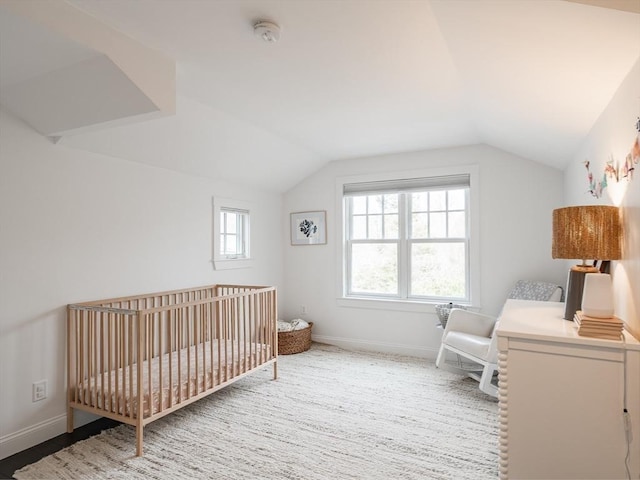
point(615, 170)
point(309, 228)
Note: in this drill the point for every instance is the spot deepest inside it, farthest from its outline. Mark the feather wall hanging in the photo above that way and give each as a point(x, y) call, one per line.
point(614, 170)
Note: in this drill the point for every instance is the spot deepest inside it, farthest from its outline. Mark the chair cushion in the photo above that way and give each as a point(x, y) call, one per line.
point(473, 344)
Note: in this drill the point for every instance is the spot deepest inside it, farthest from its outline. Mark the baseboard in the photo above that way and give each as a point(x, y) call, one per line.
point(384, 347)
point(40, 432)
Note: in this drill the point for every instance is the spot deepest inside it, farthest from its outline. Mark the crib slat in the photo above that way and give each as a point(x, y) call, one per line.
point(244, 333)
point(188, 347)
point(199, 347)
point(226, 339)
point(264, 329)
point(109, 360)
point(219, 338)
point(94, 371)
point(202, 326)
point(178, 347)
point(89, 395)
point(170, 342)
point(240, 334)
point(139, 349)
point(255, 329)
point(123, 365)
point(265, 316)
point(238, 320)
point(130, 363)
point(261, 328)
point(101, 357)
point(209, 308)
point(161, 351)
point(232, 332)
point(149, 357)
point(79, 356)
point(117, 361)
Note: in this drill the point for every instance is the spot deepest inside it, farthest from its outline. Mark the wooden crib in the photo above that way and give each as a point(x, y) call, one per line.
point(136, 359)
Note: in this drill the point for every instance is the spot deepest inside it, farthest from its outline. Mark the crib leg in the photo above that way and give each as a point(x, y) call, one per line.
point(139, 436)
point(69, 420)
point(275, 370)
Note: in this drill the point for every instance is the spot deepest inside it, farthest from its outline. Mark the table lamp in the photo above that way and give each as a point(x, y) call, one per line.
point(590, 232)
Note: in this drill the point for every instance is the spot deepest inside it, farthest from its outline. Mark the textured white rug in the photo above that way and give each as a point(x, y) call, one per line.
point(332, 414)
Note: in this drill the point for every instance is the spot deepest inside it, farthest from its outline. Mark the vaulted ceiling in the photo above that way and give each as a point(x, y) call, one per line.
point(348, 78)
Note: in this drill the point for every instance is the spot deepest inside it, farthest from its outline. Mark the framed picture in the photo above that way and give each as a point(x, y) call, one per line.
point(309, 228)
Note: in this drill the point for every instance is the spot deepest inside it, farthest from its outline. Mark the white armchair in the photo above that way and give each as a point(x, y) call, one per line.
point(471, 336)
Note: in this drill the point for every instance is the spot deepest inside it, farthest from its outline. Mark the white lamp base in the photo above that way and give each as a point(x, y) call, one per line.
point(597, 296)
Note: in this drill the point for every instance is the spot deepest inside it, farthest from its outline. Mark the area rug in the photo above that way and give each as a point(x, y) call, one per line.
point(332, 414)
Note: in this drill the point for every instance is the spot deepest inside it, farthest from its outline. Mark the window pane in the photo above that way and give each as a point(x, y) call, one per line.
point(359, 205)
point(359, 227)
point(231, 222)
point(391, 203)
point(375, 226)
point(375, 203)
point(230, 245)
point(223, 224)
point(391, 226)
point(438, 270)
point(456, 200)
point(457, 227)
point(438, 200)
point(438, 225)
point(374, 268)
point(420, 225)
point(419, 202)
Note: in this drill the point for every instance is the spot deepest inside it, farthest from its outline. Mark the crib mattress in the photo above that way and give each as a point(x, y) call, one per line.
point(111, 390)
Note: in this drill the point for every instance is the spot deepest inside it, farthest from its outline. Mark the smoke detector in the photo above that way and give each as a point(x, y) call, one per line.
point(267, 31)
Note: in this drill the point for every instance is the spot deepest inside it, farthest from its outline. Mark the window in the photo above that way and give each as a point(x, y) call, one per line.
point(231, 234)
point(408, 239)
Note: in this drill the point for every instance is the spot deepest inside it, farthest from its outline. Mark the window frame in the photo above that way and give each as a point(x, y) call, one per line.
point(223, 261)
point(401, 301)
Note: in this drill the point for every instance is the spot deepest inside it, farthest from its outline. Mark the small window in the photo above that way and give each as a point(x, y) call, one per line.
point(233, 237)
point(231, 234)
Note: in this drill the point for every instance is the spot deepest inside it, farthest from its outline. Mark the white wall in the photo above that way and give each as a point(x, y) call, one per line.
point(517, 197)
point(76, 226)
point(612, 137)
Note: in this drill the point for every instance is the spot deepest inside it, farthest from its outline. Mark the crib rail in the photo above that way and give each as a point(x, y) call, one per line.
point(135, 359)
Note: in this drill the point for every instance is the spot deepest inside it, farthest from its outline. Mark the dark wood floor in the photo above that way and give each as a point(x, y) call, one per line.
point(15, 462)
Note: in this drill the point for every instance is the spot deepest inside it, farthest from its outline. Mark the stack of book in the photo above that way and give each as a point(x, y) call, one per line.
point(609, 328)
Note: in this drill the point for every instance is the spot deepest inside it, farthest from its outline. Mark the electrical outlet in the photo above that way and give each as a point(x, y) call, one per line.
point(39, 391)
point(303, 309)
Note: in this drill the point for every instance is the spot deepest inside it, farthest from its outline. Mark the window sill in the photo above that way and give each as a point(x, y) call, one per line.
point(231, 264)
point(389, 304)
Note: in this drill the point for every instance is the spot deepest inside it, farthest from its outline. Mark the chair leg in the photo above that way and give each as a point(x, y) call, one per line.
point(485, 380)
point(441, 356)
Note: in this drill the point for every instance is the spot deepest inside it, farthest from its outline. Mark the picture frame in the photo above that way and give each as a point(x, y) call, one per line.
point(309, 228)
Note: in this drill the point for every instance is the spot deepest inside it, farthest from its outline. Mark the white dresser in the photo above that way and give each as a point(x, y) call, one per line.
point(561, 398)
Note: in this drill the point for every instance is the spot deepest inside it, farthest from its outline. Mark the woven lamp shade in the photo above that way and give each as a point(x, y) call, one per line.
point(587, 232)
